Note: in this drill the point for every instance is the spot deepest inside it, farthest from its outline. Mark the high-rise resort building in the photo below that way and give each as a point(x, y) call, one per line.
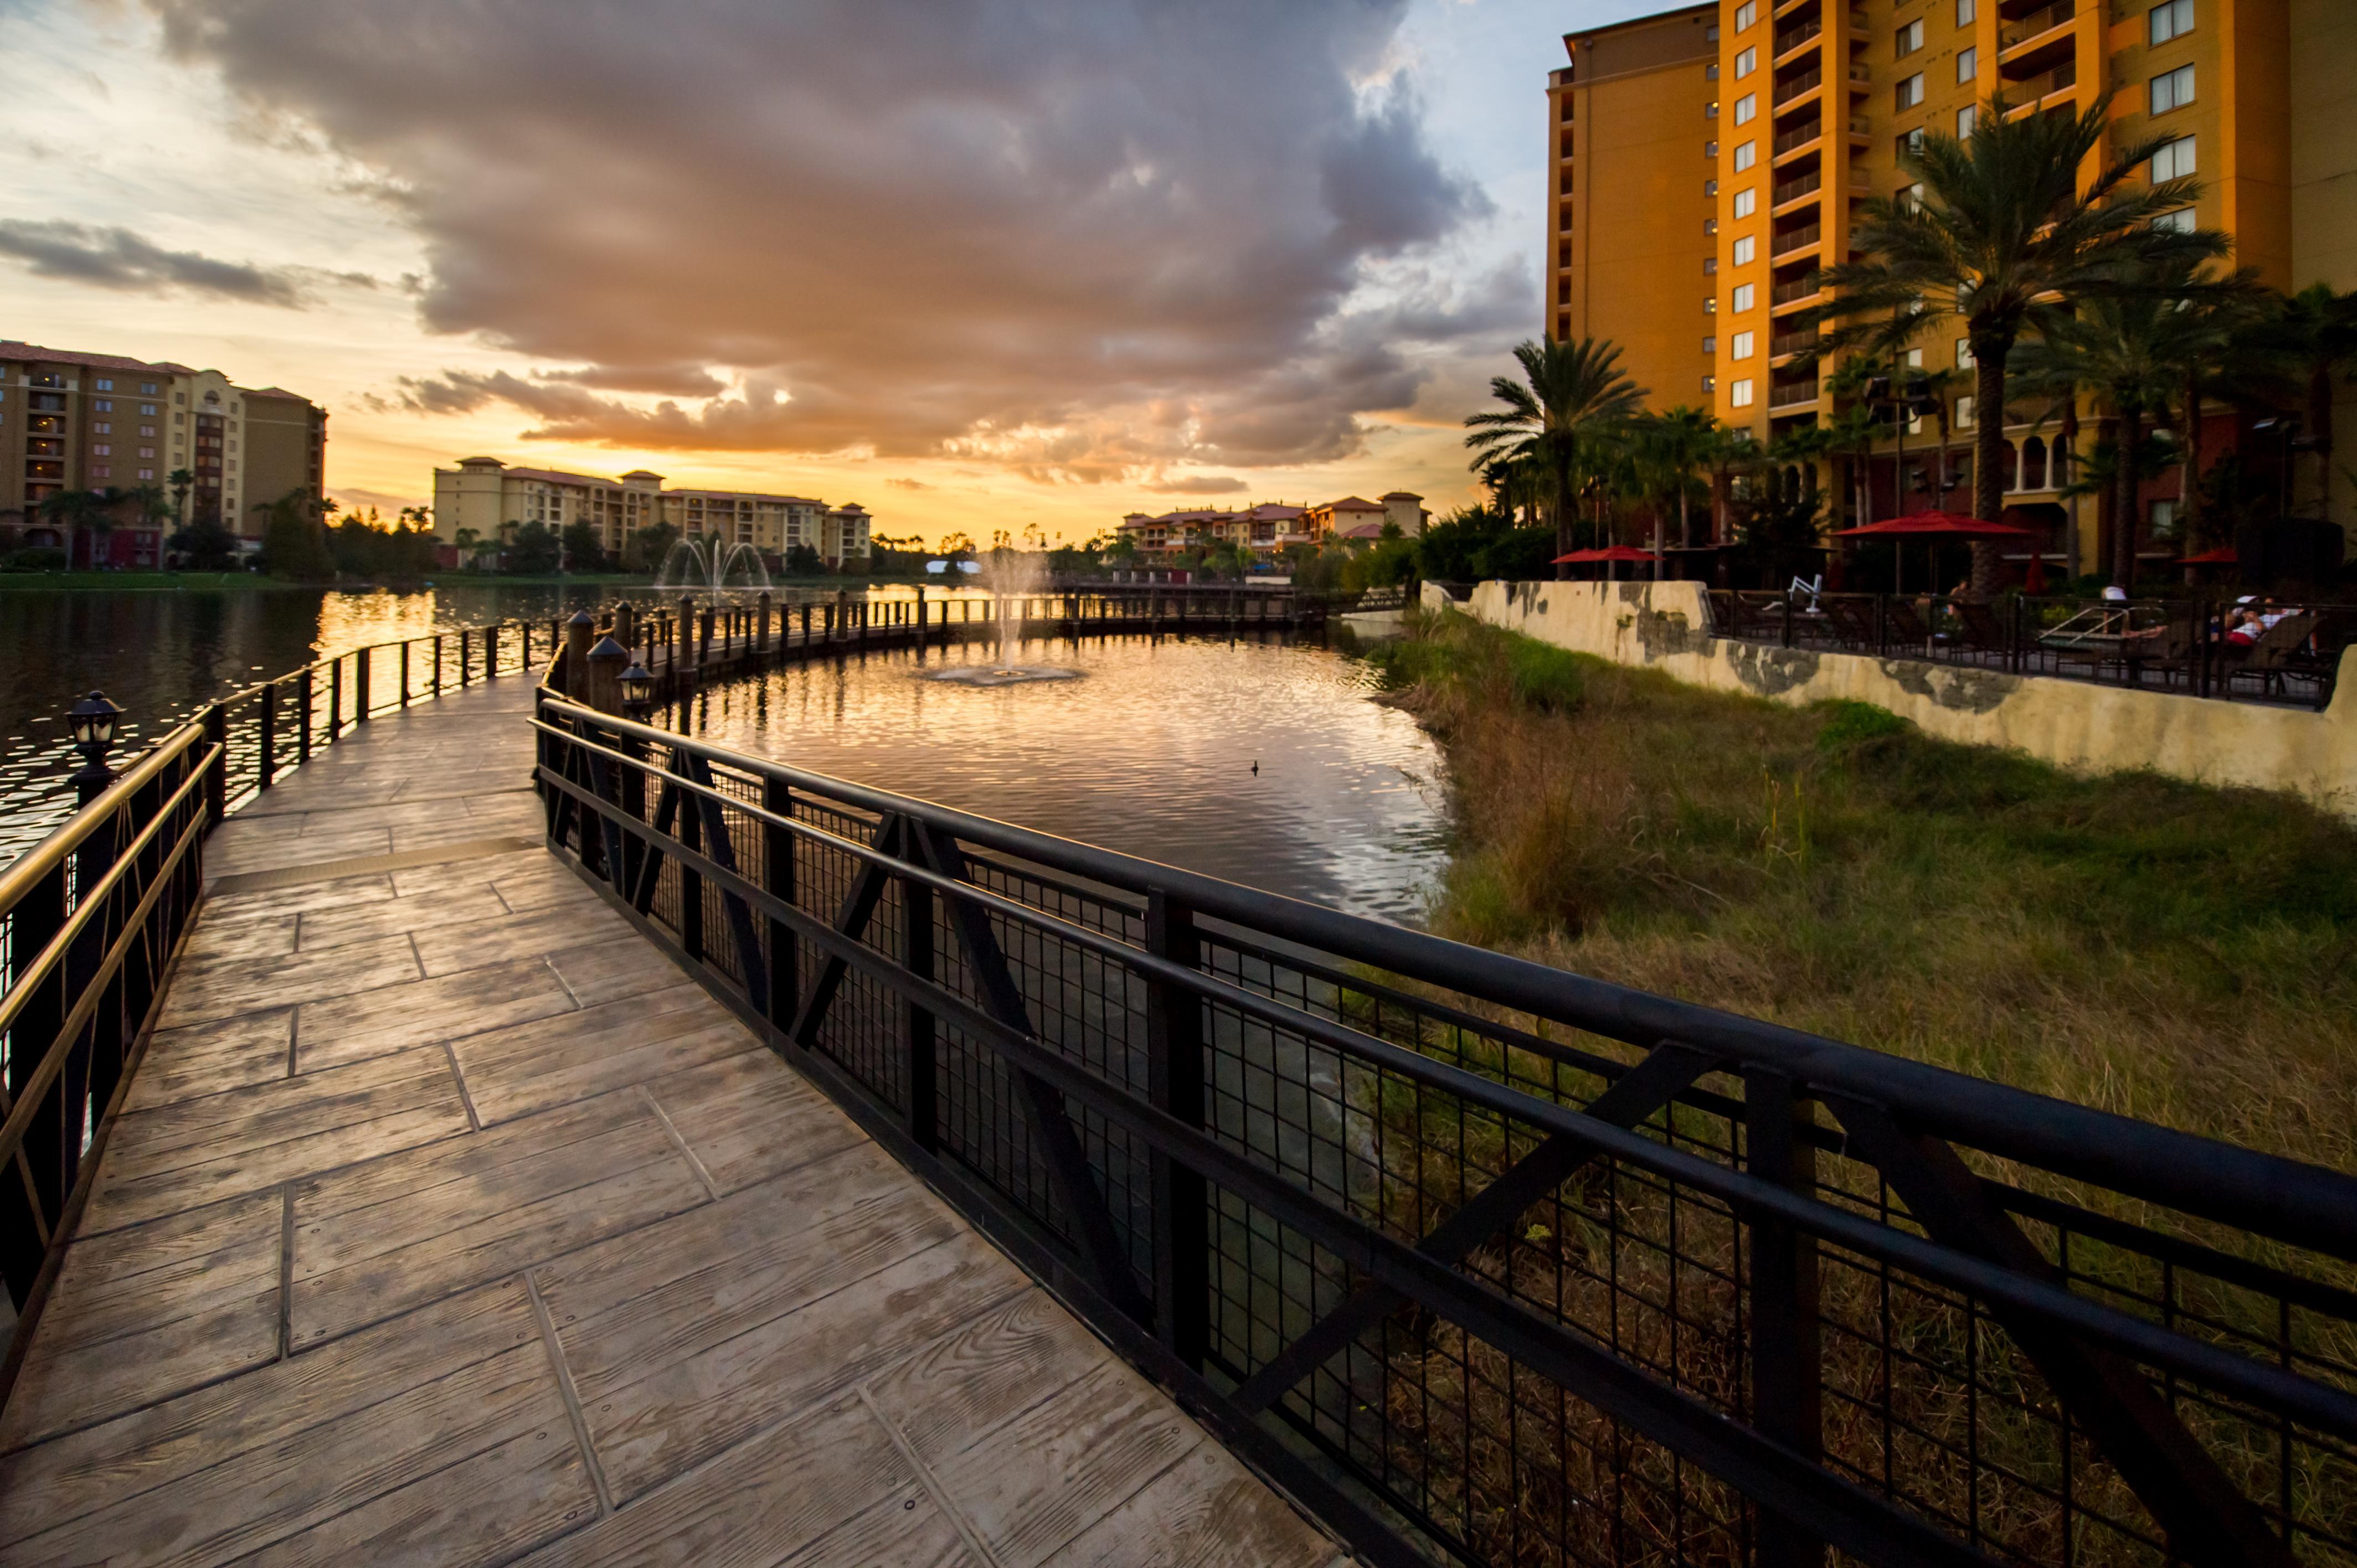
point(1708, 161)
point(71, 421)
point(490, 500)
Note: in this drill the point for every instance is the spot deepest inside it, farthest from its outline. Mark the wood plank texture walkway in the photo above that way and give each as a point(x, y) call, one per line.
point(448, 1222)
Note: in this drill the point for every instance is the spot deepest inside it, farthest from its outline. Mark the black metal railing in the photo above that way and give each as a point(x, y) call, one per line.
point(2191, 645)
point(91, 922)
point(1496, 1264)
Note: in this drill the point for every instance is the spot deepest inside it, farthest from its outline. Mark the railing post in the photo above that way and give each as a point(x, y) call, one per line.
point(303, 718)
point(267, 745)
point(217, 775)
point(578, 632)
point(778, 878)
point(360, 685)
point(437, 664)
point(1174, 1080)
point(491, 651)
point(2013, 661)
point(466, 661)
point(405, 674)
point(762, 625)
point(335, 699)
point(920, 1116)
point(690, 830)
point(34, 923)
point(1787, 1369)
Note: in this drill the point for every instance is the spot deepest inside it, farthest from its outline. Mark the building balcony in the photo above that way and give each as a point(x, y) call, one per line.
point(1795, 241)
point(1793, 396)
point(1793, 190)
point(2034, 26)
point(1798, 87)
point(1789, 43)
point(1784, 345)
point(2030, 93)
point(1792, 141)
point(1786, 297)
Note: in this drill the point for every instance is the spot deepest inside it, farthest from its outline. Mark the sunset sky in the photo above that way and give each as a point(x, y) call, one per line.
point(996, 265)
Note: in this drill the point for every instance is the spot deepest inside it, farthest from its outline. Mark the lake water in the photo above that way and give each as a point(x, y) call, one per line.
point(1151, 752)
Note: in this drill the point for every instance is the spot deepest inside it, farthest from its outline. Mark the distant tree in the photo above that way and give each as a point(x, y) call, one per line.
point(181, 481)
point(207, 545)
point(535, 550)
point(801, 561)
point(293, 545)
point(1122, 553)
point(649, 545)
point(585, 547)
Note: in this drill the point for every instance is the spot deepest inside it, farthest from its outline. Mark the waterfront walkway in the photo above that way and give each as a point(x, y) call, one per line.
point(448, 1221)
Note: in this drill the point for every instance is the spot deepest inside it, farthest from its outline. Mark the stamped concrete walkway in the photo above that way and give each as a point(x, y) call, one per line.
point(450, 1223)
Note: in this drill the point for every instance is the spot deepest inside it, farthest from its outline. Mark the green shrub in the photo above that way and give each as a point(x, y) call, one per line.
point(1850, 725)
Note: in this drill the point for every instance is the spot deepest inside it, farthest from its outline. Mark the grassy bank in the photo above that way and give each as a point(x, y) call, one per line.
point(142, 582)
point(2153, 948)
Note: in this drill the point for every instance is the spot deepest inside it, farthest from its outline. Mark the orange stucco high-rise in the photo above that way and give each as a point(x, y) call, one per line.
point(1629, 219)
point(1814, 102)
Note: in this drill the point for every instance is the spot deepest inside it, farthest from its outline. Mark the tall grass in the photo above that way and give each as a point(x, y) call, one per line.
point(2153, 948)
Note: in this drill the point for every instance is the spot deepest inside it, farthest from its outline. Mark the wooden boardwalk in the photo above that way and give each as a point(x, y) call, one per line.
point(448, 1222)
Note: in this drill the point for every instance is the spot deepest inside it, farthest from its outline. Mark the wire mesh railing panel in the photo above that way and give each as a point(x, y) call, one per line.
point(1539, 1273)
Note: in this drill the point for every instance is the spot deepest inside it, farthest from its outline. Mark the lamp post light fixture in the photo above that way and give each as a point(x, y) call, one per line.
point(638, 692)
point(91, 722)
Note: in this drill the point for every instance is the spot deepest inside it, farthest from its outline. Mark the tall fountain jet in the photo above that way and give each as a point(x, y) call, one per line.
point(706, 565)
point(1010, 577)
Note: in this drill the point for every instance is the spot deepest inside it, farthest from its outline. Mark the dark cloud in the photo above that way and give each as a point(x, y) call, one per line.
point(118, 259)
point(1081, 238)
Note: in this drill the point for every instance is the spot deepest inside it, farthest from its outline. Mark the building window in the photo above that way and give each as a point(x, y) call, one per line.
point(1746, 155)
point(1709, 266)
point(147, 410)
point(1746, 107)
point(146, 451)
point(1747, 201)
point(102, 427)
point(1710, 149)
point(2174, 161)
point(1710, 187)
point(1739, 393)
point(101, 450)
point(1745, 63)
point(1744, 294)
point(1967, 13)
point(1910, 38)
point(101, 471)
point(1968, 64)
point(1710, 72)
point(1910, 91)
point(1710, 383)
point(1739, 347)
point(1966, 118)
point(104, 384)
point(1964, 412)
point(1710, 304)
point(2173, 19)
point(101, 404)
point(1909, 197)
point(146, 473)
point(1745, 249)
point(1912, 142)
point(1709, 226)
point(147, 388)
point(2172, 90)
point(2181, 221)
point(1710, 345)
point(1746, 13)
point(1710, 110)
point(1963, 353)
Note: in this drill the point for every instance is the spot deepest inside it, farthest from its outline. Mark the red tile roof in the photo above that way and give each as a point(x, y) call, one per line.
point(1351, 504)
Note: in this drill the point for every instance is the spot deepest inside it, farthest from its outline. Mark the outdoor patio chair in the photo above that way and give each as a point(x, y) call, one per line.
point(1851, 621)
point(1978, 627)
point(2280, 650)
point(1904, 628)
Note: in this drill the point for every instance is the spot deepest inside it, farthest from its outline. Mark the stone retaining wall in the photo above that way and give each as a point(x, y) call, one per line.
point(2074, 724)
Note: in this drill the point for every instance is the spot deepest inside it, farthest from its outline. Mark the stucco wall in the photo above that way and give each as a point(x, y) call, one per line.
point(2075, 723)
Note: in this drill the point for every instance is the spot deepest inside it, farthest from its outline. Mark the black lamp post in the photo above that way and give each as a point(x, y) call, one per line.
point(91, 720)
point(638, 692)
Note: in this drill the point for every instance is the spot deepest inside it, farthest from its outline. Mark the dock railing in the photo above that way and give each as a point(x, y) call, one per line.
point(1495, 1263)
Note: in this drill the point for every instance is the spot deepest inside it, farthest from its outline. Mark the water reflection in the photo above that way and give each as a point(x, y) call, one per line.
point(164, 655)
point(1153, 753)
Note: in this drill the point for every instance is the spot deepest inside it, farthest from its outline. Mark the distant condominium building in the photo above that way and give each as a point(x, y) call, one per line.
point(490, 500)
point(1271, 526)
point(1707, 162)
point(71, 421)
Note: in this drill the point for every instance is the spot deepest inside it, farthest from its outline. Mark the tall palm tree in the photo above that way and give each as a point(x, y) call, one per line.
point(2002, 237)
point(2312, 335)
point(1671, 448)
point(69, 512)
point(181, 481)
point(1573, 398)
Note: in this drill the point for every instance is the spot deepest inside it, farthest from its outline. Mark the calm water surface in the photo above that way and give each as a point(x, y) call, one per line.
point(1151, 752)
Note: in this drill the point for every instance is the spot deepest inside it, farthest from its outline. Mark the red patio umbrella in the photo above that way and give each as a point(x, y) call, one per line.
point(1933, 526)
point(2223, 556)
point(1608, 555)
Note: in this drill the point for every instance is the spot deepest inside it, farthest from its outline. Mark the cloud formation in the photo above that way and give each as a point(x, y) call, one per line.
point(118, 259)
point(1079, 238)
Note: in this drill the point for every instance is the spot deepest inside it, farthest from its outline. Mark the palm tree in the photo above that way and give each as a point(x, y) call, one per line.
point(2001, 239)
point(2312, 334)
point(1574, 397)
point(70, 511)
point(182, 481)
point(1670, 448)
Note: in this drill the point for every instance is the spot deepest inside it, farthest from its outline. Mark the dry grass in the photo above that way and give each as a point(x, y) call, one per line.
point(2166, 951)
point(2151, 948)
